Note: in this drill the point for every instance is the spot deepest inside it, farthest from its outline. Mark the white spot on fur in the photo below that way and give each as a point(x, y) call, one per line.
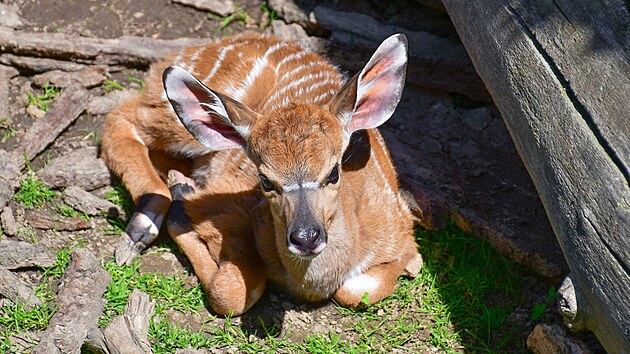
point(259, 66)
point(135, 134)
point(194, 57)
point(361, 267)
point(220, 59)
point(305, 185)
point(145, 220)
point(362, 284)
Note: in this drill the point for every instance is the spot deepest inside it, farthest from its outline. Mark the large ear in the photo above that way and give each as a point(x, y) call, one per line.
point(371, 96)
point(215, 120)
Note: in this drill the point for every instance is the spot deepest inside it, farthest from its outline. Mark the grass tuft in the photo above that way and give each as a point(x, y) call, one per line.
point(16, 320)
point(45, 98)
point(34, 193)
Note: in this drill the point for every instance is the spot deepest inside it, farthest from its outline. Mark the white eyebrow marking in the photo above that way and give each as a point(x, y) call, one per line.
point(304, 185)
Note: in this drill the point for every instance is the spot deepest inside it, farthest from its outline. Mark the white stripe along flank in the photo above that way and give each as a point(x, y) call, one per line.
point(258, 67)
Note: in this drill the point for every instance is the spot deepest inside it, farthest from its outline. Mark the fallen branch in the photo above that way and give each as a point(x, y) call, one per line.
point(127, 333)
point(39, 65)
point(128, 51)
point(79, 302)
point(18, 254)
point(12, 288)
point(63, 112)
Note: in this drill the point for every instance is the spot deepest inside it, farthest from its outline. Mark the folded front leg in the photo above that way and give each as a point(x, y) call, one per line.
point(372, 286)
point(219, 245)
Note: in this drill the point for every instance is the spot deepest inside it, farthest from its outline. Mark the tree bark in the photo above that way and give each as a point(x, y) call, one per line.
point(558, 72)
point(128, 332)
point(79, 305)
point(128, 51)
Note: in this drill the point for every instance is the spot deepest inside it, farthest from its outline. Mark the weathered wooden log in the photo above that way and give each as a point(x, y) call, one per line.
point(128, 332)
point(63, 112)
point(39, 65)
point(18, 254)
point(557, 70)
point(12, 288)
point(128, 51)
point(79, 303)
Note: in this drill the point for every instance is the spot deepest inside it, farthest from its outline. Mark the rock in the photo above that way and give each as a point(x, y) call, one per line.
point(9, 174)
point(295, 32)
point(81, 168)
point(413, 268)
point(90, 204)
point(12, 288)
point(434, 62)
point(9, 226)
point(105, 104)
point(193, 351)
point(290, 12)
point(18, 254)
point(160, 263)
point(219, 7)
point(89, 77)
point(6, 73)
point(478, 119)
point(546, 339)
point(35, 111)
point(44, 221)
point(9, 17)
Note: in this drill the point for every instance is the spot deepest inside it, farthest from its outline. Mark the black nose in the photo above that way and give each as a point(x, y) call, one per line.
point(306, 240)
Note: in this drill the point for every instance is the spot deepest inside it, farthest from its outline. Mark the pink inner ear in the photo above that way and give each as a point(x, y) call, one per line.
point(208, 129)
point(376, 70)
point(375, 106)
point(216, 125)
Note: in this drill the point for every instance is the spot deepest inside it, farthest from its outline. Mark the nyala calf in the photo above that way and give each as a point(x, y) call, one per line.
point(292, 180)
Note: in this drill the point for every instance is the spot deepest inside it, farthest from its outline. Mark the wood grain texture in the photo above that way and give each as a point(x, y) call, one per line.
point(79, 305)
point(558, 72)
point(129, 51)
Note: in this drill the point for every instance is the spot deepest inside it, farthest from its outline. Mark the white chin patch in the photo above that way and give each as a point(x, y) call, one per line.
point(361, 284)
point(307, 256)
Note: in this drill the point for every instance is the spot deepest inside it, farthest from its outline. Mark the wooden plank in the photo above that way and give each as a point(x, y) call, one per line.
point(557, 70)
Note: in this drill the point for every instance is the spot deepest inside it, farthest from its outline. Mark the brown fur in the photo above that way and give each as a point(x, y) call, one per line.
point(238, 232)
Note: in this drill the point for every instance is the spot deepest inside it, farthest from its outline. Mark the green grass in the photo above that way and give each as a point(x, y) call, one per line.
point(16, 320)
point(239, 16)
point(111, 85)
point(269, 11)
point(8, 130)
point(170, 291)
point(34, 193)
point(43, 99)
point(464, 271)
point(445, 307)
point(121, 197)
point(539, 309)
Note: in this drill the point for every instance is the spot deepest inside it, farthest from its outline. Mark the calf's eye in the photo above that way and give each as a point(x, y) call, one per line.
point(333, 177)
point(266, 184)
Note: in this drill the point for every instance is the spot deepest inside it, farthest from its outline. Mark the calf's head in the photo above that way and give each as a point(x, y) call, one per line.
point(298, 148)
